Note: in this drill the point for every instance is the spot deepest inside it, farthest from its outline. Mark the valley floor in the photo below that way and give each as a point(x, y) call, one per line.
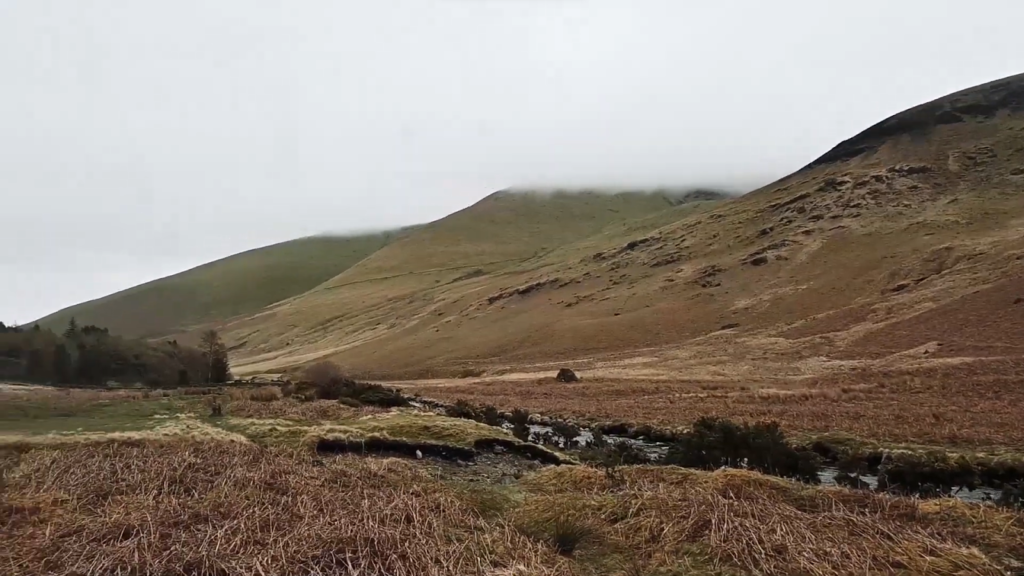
point(147, 482)
point(973, 403)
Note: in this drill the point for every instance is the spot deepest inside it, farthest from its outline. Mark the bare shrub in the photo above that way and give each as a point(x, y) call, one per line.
point(323, 372)
point(489, 415)
point(461, 409)
point(520, 420)
point(364, 392)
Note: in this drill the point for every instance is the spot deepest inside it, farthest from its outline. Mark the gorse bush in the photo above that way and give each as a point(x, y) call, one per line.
point(716, 442)
point(363, 392)
point(322, 372)
point(489, 415)
point(567, 431)
point(461, 409)
point(520, 420)
point(612, 454)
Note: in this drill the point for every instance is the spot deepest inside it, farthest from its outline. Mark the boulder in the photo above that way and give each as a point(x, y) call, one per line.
point(566, 375)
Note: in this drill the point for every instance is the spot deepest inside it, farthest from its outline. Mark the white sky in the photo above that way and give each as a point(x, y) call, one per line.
point(142, 137)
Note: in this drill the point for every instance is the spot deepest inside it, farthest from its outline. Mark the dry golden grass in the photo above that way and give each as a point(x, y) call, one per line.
point(224, 509)
point(420, 426)
point(313, 411)
point(764, 525)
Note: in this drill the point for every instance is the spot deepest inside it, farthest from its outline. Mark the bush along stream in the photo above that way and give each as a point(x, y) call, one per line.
point(712, 443)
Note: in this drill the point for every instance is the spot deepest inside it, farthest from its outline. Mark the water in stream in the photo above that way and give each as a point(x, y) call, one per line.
point(657, 450)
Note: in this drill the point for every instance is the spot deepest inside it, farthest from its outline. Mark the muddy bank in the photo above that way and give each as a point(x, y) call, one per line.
point(377, 446)
point(393, 447)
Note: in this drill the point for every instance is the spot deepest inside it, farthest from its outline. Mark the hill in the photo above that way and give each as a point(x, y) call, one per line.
point(498, 237)
point(236, 285)
point(900, 239)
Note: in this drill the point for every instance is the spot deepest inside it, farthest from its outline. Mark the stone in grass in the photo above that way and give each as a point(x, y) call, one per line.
point(566, 375)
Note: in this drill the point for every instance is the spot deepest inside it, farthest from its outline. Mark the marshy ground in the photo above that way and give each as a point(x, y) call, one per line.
point(110, 482)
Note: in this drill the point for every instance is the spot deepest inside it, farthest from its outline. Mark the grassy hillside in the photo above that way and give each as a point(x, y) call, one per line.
point(850, 258)
point(503, 228)
point(445, 263)
point(239, 284)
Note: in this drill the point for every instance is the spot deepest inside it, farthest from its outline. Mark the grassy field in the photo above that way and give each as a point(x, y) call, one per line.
point(240, 284)
point(257, 498)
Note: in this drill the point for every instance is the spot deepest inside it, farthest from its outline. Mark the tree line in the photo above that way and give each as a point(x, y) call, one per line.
point(90, 355)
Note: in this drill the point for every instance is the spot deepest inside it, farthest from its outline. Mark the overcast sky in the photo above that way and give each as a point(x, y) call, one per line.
point(139, 138)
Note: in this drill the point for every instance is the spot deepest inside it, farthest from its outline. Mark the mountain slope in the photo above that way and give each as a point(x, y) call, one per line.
point(239, 284)
point(885, 252)
point(497, 237)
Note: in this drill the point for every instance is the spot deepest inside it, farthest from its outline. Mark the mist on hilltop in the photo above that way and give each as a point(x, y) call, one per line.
point(145, 155)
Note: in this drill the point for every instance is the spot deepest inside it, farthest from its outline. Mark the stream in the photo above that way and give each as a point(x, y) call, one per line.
point(657, 450)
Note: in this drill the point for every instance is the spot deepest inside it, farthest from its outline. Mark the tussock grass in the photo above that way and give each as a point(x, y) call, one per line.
point(767, 525)
point(261, 394)
point(402, 425)
point(290, 409)
point(421, 426)
point(229, 509)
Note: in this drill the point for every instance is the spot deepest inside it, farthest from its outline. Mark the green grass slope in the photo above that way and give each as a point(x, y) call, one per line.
point(505, 228)
point(236, 285)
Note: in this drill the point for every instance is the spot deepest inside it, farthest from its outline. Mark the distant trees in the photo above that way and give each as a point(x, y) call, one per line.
point(12, 329)
point(62, 366)
point(36, 367)
point(90, 330)
point(218, 370)
point(88, 355)
point(72, 330)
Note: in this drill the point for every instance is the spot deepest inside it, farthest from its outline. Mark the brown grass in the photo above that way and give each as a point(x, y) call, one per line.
point(261, 394)
point(768, 526)
point(322, 372)
point(960, 406)
point(210, 508)
point(219, 508)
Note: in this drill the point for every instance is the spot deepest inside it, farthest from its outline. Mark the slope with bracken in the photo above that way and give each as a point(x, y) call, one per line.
point(902, 246)
point(236, 285)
